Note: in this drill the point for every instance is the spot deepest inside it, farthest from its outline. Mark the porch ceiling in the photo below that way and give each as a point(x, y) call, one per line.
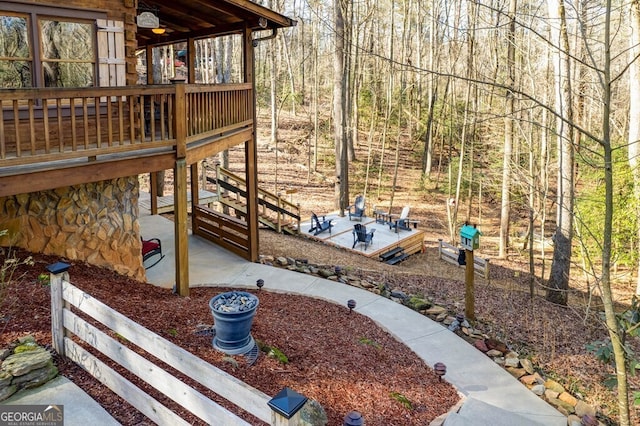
point(184, 19)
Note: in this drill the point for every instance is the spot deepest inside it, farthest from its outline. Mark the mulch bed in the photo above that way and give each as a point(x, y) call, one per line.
point(341, 359)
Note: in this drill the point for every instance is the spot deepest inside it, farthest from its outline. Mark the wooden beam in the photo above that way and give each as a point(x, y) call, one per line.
point(181, 226)
point(202, 151)
point(95, 171)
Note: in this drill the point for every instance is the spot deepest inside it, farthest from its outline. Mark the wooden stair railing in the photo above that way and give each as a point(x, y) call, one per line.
point(274, 211)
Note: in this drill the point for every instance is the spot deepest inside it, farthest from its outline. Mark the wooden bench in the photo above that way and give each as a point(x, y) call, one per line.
point(449, 253)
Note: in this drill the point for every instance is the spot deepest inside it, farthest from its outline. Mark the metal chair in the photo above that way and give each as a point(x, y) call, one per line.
point(150, 249)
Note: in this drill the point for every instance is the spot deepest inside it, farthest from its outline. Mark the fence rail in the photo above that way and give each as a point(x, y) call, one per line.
point(449, 253)
point(65, 321)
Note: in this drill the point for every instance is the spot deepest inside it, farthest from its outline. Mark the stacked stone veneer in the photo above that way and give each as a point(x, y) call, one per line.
point(95, 222)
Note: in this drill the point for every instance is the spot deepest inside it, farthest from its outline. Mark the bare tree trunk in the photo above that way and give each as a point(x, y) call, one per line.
point(339, 110)
point(634, 115)
point(607, 296)
point(558, 285)
point(505, 216)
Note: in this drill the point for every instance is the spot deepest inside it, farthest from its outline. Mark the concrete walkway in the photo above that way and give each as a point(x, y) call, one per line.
point(492, 396)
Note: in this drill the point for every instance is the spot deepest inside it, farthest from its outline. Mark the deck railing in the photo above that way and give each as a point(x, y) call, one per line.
point(43, 125)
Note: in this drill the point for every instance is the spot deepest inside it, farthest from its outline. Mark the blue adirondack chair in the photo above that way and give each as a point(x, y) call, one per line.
point(360, 235)
point(318, 226)
point(356, 210)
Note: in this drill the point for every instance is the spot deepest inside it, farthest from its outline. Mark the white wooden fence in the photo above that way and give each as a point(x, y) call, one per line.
point(450, 253)
point(64, 321)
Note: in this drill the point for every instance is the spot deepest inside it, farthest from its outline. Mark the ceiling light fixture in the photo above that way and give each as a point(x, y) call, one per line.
point(158, 30)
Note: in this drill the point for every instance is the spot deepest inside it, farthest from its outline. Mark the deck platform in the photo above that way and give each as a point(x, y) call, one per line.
point(384, 239)
point(165, 203)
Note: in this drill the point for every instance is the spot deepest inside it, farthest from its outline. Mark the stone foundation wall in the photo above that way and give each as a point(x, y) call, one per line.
point(95, 222)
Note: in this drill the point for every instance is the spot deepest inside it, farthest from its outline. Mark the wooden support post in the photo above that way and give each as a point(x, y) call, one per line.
point(195, 195)
point(286, 408)
point(153, 192)
point(180, 192)
point(181, 227)
point(469, 296)
point(486, 269)
point(251, 153)
point(278, 419)
point(57, 274)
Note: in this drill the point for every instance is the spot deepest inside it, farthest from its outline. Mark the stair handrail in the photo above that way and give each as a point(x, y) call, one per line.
point(281, 203)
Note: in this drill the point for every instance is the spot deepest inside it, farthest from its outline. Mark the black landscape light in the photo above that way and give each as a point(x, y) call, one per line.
point(353, 419)
point(351, 304)
point(440, 369)
point(260, 283)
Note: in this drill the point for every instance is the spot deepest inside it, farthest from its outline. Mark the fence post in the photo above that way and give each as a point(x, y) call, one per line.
point(57, 274)
point(486, 269)
point(286, 407)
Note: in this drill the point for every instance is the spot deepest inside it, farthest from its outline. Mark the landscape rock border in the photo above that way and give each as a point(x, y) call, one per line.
point(577, 411)
point(25, 365)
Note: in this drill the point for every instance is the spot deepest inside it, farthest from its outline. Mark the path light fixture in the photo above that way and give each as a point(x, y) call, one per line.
point(440, 369)
point(353, 419)
point(260, 283)
point(460, 318)
point(338, 270)
point(351, 304)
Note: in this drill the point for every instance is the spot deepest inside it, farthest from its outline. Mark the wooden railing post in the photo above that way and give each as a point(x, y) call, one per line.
point(486, 269)
point(57, 274)
point(279, 214)
point(286, 407)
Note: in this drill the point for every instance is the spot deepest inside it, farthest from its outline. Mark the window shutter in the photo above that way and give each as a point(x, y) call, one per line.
point(112, 68)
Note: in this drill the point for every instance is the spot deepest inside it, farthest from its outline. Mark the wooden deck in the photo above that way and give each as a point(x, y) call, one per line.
point(166, 204)
point(384, 239)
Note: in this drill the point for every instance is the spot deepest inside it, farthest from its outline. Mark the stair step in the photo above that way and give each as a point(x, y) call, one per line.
point(397, 259)
point(391, 253)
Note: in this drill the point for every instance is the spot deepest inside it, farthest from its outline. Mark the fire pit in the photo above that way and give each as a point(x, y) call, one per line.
point(233, 314)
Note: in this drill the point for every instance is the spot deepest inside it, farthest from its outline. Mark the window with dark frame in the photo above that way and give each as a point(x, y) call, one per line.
point(42, 46)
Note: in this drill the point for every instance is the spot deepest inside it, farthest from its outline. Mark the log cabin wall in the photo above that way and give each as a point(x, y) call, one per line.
point(95, 222)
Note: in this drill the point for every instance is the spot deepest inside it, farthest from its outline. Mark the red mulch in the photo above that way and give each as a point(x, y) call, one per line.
point(341, 359)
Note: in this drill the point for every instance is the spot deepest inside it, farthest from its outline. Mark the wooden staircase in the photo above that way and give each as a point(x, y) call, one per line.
point(274, 211)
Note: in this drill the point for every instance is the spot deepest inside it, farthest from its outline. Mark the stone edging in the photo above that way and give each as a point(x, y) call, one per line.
point(25, 365)
point(576, 410)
